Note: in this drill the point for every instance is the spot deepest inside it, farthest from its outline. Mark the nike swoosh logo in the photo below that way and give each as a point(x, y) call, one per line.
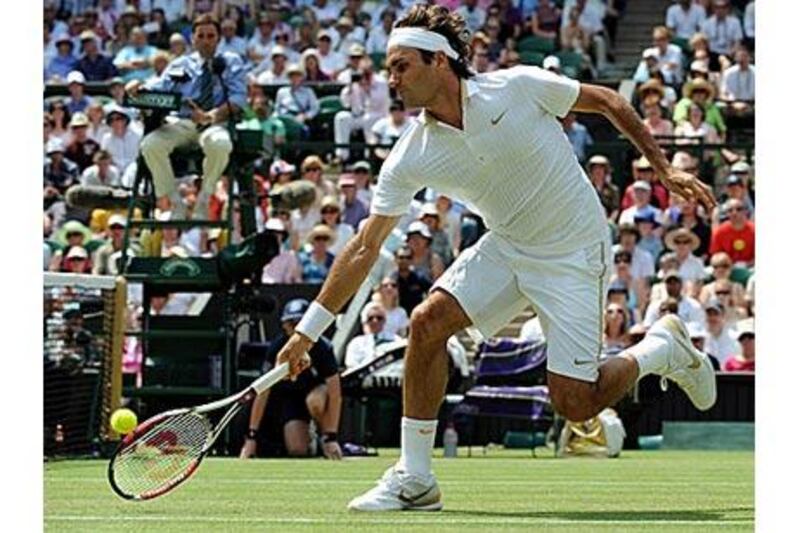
point(411, 499)
point(578, 362)
point(499, 118)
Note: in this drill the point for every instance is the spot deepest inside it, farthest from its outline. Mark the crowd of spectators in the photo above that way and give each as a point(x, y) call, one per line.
point(694, 85)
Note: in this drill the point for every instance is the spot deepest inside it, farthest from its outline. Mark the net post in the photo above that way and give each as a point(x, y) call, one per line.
point(115, 354)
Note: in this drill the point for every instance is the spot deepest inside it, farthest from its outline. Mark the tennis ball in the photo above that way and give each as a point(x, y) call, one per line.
point(123, 421)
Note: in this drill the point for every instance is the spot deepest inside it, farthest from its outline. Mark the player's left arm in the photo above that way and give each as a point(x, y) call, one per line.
point(330, 418)
point(610, 104)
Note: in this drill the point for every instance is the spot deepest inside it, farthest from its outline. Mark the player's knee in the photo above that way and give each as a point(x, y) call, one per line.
point(315, 402)
point(219, 146)
point(151, 145)
point(424, 326)
point(297, 449)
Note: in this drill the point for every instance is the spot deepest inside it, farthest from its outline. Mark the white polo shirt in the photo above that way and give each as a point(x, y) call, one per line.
point(512, 162)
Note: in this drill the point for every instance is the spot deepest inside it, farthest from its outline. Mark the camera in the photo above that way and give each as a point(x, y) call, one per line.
point(356, 76)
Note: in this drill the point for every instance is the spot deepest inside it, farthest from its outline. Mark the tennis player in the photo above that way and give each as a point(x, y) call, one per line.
point(494, 141)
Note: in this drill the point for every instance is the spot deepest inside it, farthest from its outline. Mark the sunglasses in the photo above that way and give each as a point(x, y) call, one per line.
point(321, 238)
point(313, 169)
point(375, 318)
point(682, 242)
point(622, 260)
point(614, 312)
point(724, 265)
point(74, 234)
point(724, 293)
point(329, 211)
point(407, 257)
point(388, 284)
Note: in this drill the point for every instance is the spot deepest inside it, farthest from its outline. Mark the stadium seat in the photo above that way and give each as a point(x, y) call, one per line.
point(294, 130)
point(531, 58)
point(536, 44)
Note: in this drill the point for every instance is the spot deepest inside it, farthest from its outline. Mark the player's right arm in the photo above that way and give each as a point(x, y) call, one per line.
point(256, 414)
point(347, 274)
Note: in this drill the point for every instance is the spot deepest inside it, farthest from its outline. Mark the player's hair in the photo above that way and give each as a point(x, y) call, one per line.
point(439, 19)
point(204, 19)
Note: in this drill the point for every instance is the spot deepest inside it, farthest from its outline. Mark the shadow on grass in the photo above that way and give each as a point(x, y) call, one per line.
point(710, 515)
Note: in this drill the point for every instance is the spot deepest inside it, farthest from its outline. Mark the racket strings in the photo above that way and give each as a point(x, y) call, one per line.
point(162, 455)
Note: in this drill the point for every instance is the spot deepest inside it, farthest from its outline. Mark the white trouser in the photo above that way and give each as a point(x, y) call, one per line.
point(343, 125)
point(158, 144)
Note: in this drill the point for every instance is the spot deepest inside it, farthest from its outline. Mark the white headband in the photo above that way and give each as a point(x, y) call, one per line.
point(421, 38)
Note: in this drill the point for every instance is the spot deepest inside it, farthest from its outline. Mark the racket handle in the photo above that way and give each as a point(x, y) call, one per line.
point(270, 378)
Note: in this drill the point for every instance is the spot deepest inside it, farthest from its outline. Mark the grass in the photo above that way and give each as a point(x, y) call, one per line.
point(504, 490)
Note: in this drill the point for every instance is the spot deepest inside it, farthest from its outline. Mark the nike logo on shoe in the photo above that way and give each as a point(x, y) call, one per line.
point(499, 118)
point(403, 497)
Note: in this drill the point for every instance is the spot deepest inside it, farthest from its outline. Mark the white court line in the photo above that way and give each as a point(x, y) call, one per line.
point(391, 520)
point(446, 482)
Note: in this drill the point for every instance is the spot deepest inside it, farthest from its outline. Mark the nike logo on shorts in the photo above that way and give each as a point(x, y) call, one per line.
point(578, 362)
point(499, 118)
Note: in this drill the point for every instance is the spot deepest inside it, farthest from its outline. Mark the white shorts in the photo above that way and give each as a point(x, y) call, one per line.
point(494, 281)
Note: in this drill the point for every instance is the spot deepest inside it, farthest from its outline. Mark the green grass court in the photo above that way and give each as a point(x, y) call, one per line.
point(504, 490)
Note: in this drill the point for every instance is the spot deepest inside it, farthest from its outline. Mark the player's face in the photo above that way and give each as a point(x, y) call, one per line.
point(415, 81)
point(205, 39)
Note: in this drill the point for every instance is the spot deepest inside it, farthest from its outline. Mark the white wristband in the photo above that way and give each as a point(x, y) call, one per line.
point(315, 321)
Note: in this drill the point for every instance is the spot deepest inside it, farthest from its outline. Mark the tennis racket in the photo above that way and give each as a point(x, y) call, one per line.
point(165, 450)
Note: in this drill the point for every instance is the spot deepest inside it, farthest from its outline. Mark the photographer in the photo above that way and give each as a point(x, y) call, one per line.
point(366, 98)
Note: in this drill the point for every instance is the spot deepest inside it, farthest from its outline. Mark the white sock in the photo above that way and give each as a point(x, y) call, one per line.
point(417, 445)
point(651, 353)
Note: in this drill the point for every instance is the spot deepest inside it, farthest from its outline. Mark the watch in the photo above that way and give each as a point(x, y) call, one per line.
point(251, 434)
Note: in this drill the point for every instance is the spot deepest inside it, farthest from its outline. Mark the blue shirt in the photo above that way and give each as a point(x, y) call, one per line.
point(237, 45)
point(291, 101)
point(314, 272)
point(60, 66)
point(580, 139)
point(183, 75)
point(99, 69)
point(131, 53)
point(75, 106)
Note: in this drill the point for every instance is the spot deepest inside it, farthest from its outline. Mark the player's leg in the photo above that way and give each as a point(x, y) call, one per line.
point(156, 148)
point(317, 402)
point(296, 438)
point(217, 146)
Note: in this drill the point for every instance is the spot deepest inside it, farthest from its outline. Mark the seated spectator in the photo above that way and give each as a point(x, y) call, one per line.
point(259, 45)
point(379, 35)
point(481, 61)
point(104, 261)
point(160, 61)
point(366, 98)
point(642, 192)
point(348, 34)
point(615, 331)
point(72, 234)
point(121, 142)
point(736, 236)
point(284, 267)
point(656, 124)
point(316, 263)
point(272, 71)
point(229, 41)
point(649, 239)
point(135, 60)
point(449, 220)
point(440, 245)
point(177, 45)
point(729, 294)
point(362, 172)
point(545, 20)
point(666, 263)
point(643, 171)
point(688, 309)
point(684, 243)
point(97, 123)
point(63, 62)
point(685, 18)
point(311, 64)
point(746, 360)
point(389, 128)
point(60, 117)
point(361, 349)
point(59, 172)
point(688, 217)
point(642, 263)
point(495, 46)
point(721, 339)
point(474, 15)
point(696, 129)
point(331, 62)
point(700, 92)
point(426, 263)
point(77, 101)
point(578, 136)
point(724, 30)
point(669, 56)
point(620, 289)
point(735, 189)
point(81, 149)
point(314, 394)
point(749, 25)
point(102, 172)
point(599, 171)
point(411, 287)
point(353, 209)
point(355, 53)
point(699, 338)
point(296, 100)
point(590, 17)
point(388, 296)
point(739, 81)
point(311, 169)
point(574, 36)
point(76, 261)
point(331, 216)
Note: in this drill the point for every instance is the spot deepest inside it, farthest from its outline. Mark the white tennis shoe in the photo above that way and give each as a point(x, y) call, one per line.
point(400, 491)
point(687, 366)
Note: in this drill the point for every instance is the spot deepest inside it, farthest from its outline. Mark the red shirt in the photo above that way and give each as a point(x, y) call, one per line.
point(734, 364)
point(739, 244)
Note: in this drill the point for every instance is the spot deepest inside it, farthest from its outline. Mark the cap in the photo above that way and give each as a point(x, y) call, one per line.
point(733, 179)
point(76, 76)
point(88, 35)
point(361, 165)
point(294, 309)
point(419, 228)
point(281, 167)
point(345, 21)
point(275, 224)
point(323, 34)
point(599, 159)
point(55, 145)
point(116, 81)
point(642, 163)
point(714, 304)
point(64, 38)
point(397, 105)
point(79, 120)
point(347, 180)
point(617, 286)
point(294, 68)
point(673, 274)
point(429, 209)
point(551, 62)
point(696, 330)
point(330, 201)
point(650, 52)
point(321, 230)
point(648, 216)
point(642, 185)
point(279, 50)
point(356, 50)
point(740, 167)
point(117, 220)
point(746, 326)
point(77, 252)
